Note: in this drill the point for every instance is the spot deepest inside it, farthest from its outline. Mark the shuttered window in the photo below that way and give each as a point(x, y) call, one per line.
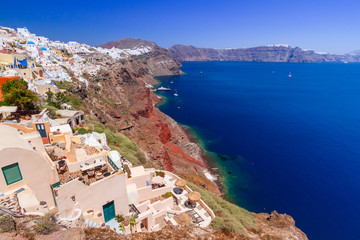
point(12, 173)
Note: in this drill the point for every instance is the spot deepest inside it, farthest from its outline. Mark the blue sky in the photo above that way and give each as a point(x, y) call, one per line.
point(332, 26)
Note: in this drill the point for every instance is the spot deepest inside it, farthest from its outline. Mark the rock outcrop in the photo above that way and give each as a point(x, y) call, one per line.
point(275, 53)
point(118, 96)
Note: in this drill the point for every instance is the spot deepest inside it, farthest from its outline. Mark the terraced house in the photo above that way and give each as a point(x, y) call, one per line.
point(47, 168)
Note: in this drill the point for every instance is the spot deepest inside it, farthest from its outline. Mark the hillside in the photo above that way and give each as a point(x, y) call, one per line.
point(273, 53)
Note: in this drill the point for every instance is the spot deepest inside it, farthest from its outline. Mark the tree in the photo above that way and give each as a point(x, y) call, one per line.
point(49, 96)
point(60, 98)
point(16, 93)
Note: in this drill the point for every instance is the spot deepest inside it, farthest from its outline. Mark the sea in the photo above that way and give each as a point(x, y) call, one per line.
point(285, 136)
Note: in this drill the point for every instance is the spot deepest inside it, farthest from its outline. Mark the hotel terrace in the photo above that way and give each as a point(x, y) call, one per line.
point(46, 168)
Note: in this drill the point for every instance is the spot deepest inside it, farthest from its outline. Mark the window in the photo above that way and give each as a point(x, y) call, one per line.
point(12, 173)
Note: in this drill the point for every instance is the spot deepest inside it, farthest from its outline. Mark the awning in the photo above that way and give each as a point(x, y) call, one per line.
point(23, 62)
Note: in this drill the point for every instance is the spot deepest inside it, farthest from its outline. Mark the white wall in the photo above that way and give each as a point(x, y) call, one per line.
point(36, 172)
point(93, 197)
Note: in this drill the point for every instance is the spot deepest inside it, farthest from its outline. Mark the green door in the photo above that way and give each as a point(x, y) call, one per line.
point(109, 211)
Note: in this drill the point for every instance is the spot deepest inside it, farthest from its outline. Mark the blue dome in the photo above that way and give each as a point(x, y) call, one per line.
point(25, 27)
point(31, 42)
point(43, 48)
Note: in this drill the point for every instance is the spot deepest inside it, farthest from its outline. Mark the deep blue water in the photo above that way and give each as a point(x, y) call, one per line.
point(288, 144)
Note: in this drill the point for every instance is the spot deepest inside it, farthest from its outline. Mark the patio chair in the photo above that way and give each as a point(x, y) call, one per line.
point(62, 169)
point(104, 168)
point(91, 173)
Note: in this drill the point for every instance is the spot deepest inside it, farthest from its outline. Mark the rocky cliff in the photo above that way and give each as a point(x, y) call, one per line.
point(276, 53)
point(118, 97)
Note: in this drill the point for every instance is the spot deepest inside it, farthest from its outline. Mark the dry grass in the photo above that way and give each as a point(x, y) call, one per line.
point(229, 217)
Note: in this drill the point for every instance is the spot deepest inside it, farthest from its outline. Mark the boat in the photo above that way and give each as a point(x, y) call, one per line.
point(163, 89)
point(290, 74)
point(172, 82)
point(201, 72)
point(176, 94)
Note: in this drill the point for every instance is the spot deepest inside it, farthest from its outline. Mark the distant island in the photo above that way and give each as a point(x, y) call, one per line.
point(270, 53)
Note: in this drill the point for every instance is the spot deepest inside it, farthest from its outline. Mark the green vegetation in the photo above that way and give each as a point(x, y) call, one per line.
point(16, 93)
point(120, 143)
point(64, 85)
point(167, 195)
point(51, 109)
point(84, 131)
point(125, 147)
point(75, 101)
point(7, 224)
point(119, 218)
point(46, 225)
point(56, 100)
point(132, 222)
point(127, 169)
point(229, 217)
point(160, 173)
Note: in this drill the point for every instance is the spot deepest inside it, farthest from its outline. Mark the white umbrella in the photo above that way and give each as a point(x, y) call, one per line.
point(157, 180)
point(133, 197)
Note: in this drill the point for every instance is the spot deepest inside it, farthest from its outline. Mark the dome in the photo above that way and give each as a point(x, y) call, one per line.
point(43, 49)
point(30, 42)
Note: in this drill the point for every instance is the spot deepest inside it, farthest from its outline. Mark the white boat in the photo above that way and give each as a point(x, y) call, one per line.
point(290, 74)
point(163, 89)
point(176, 94)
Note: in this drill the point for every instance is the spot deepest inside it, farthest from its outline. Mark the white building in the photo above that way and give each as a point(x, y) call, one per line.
point(23, 32)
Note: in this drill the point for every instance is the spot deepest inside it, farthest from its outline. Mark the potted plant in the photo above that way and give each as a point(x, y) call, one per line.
point(132, 222)
point(122, 227)
point(119, 218)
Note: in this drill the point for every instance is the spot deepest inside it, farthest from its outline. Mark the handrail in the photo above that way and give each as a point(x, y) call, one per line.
point(14, 214)
point(112, 164)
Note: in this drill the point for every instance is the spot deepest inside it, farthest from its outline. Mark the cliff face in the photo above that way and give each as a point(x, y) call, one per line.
point(118, 97)
point(257, 54)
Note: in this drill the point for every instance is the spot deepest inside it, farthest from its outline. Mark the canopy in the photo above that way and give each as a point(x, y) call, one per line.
point(194, 197)
point(23, 62)
point(157, 180)
point(180, 183)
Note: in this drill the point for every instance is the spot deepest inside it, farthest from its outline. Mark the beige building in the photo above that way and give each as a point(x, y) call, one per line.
point(22, 158)
point(71, 117)
point(84, 184)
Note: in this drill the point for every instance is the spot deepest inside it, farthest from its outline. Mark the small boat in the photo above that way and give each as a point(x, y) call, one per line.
point(290, 74)
point(163, 89)
point(201, 72)
point(176, 94)
point(172, 82)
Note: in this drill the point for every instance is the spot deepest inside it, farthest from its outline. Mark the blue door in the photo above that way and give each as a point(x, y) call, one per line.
point(109, 211)
point(41, 129)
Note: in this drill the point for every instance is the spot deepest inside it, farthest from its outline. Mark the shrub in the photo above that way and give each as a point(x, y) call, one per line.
point(127, 169)
point(160, 173)
point(82, 131)
point(167, 195)
point(119, 218)
point(7, 224)
point(16, 93)
point(64, 85)
point(52, 111)
point(230, 218)
point(46, 225)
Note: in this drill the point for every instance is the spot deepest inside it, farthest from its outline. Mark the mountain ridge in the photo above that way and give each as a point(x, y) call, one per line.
point(270, 53)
